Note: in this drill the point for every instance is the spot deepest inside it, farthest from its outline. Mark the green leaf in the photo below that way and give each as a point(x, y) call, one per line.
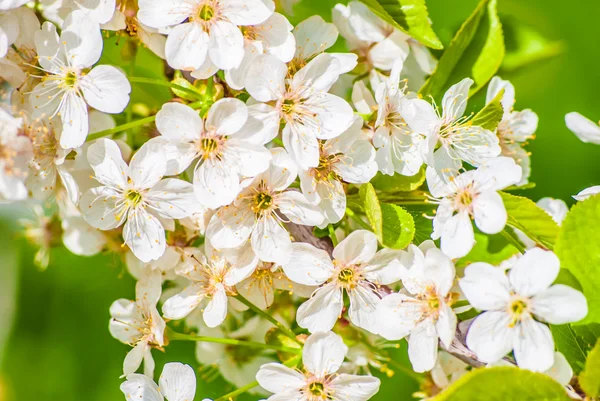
point(371, 207)
point(277, 337)
point(525, 215)
point(525, 46)
point(484, 251)
point(398, 226)
point(571, 345)
point(393, 226)
point(578, 249)
point(181, 81)
point(490, 116)
point(423, 225)
point(476, 51)
point(590, 377)
point(502, 384)
point(588, 334)
point(398, 182)
point(410, 16)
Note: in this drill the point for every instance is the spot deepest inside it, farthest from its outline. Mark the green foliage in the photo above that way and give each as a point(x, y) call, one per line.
point(398, 182)
point(525, 46)
point(186, 95)
point(410, 16)
point(492, 249)
point(525, 215)
point(146, 64)
point(579, 250)
point(572, 346)
point(490, 116)
point(590, 377)
point(476, 50)
point(277, 337)
point(393, 226)
point(502, 384)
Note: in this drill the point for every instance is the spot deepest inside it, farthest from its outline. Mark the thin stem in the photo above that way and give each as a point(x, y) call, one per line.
point(174, 336)
point(132, 124)
point(350, 213)
point(129, 115)
point(513, 240)
point(160, 82)
point(332, 235)
point(229, 396)
point(270, 318)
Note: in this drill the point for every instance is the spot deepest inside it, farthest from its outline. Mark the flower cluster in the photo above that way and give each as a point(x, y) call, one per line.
point(241, 212)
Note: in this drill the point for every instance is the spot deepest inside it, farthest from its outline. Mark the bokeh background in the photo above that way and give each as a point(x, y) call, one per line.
point(54, 339)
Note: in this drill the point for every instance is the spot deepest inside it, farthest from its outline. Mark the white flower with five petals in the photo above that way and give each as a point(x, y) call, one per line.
point(322, 356)
point(68, 88)
point(259, 210)
point(513, 306)
point(139, 324)
point(423, 311)
point(135, 195)
point(515, 128)
point(472, 194)
point(348, 158)
point(177, 382)
point(357, 269)
point(203, 33)
point(224, 153)
point(301, 102)
point(458, 138)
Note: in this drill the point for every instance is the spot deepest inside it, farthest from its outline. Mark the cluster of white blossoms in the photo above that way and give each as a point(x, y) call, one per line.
point(239, 214)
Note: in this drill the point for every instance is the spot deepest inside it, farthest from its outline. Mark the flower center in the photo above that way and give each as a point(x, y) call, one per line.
point(518, 308)
point(465, 198)
point(206, 12)
point(70, 79)
point(317, 389)
point(249, 32)
point(324, 170)
point(262, 202)
point(287, 106)
point(346, 275)
point(133, 197)
point(208, 146)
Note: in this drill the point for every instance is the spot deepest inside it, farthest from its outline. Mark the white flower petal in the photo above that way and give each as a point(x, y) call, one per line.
point(187, 46)
point(397, 315)
point(100, 209)
point(490, 336)
point(226, 46)
point(159, 14)
point(321, 311)
point(486, 287)
point(363, 304)
point(216, 311)
point(307, 265)
point(147, 166)
point(179, 123)
point(178, 382)
point(423, 347)
point(298, 209)
point(534, 346)
point(104, 156)
point(489, 212)
point(268, 75)
point(323, 353)
point(248, 12)
point(358, 247)
point(303, 147)
point(353, 387)
point(134, 358)
point(283, 170)
point(313, 36)
point(106, 88)
point(182, 304)
point(81, 39)
point(215, 183)
point(586, 130)
point(586, 193)
point(139, 387)
point(446, 324)
point(534, 272)
point(74, 118)
point(276, 378)
point(144, 234)
point(172, 198)
point(457, 236)
point(559, 304)
point(230, 227)
point(454, 102)
point(270, 241)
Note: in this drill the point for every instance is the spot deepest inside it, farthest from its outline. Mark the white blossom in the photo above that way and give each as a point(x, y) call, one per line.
point(135, 195)
point(204, 32)
point(260, 209)
point(515, 128)
point(68, 87)
point(224, 153)
point(301, 102)
point(458, 138)
point(348, 158)
point(15, 154)
point(514, 305)
point(357, 269)
point(322, 356)
point(422, 310)
point(177, 382)
point(139, 324)
point(586, 130)
point(470, 195)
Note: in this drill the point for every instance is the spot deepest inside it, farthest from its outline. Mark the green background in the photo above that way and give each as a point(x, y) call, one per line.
point(54, 339)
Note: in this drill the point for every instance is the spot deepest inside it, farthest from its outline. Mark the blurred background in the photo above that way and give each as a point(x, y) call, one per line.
point(54, 339)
